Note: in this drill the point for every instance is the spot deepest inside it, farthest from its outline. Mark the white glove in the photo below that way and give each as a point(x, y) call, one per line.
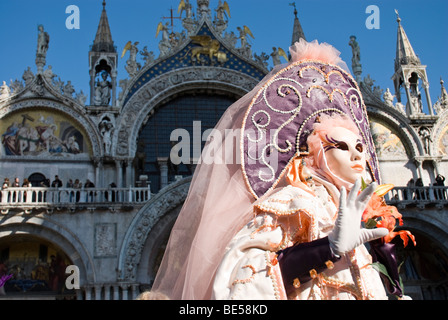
point(347, 233)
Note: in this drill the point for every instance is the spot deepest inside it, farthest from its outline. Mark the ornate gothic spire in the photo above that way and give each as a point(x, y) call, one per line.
point(103, 62)
point(103, 40)
point(405, 53)
point(297, 31)
point(410, 74)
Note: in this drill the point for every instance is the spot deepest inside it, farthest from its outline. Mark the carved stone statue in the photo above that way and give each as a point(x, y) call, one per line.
point(262, 59)
point(388, 98)
point(106, 129)
point(276, 54)
point(356, 58)
point(231, 39)
point(102, 91)
point(245, 46)
point(132, 66)
point(186, 6)
point(28, 76)
point(43, 39)
point(425, 134)
point(5, 91)
point(221, 11)
point(68, 89)
point(81, 97)
point(165, 44)
point(49, 75)
point(16, 86)
point(148, 56)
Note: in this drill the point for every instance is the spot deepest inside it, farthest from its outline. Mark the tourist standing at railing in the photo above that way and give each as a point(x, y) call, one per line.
point(45, 184)
point(112, 186)
point(5, 184)
point(77, 185)
point(15, 184)
point(419, 192)
point(89, 184)
point(5, 187)
point(408, 194)
point(440, 182)
point(26, 184)
point(69, 185)
point(57, 183)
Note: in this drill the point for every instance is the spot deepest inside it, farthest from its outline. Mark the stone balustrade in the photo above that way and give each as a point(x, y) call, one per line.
point(437, 195)
point(48, 198)
point(42, 197)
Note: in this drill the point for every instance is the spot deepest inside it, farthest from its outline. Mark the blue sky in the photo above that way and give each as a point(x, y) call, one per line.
point(270, 21)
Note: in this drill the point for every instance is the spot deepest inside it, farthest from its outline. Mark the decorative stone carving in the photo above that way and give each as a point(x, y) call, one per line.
point(105, 239)
point(144, 221)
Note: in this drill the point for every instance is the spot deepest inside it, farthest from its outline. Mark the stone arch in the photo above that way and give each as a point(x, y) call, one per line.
point(45, 228)
point(438, 131)
point(425, 225)
point(162, 205)
point(155, 245)
point(430, 254)
point(156, 91)
point(398, 124)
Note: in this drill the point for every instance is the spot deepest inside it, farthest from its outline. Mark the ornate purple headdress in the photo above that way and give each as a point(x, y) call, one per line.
point(283, 112)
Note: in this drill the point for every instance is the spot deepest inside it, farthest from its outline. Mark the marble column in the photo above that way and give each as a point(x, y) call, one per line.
point(163, 166)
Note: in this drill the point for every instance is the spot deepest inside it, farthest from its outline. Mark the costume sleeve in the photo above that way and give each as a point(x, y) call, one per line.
point(302, 262)
point(249, 269)
point(385, 254)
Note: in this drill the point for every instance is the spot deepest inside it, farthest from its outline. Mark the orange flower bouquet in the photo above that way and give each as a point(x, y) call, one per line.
point(380, 215)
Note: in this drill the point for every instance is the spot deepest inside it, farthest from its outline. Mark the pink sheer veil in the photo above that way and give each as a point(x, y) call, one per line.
point(217, 206)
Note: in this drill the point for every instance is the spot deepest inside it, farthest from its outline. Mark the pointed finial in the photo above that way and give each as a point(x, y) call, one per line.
point(398, 16)
point(295, 9)
point(104, 4)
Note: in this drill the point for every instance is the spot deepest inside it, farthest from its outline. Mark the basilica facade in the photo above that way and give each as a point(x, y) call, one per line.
point(116, 146)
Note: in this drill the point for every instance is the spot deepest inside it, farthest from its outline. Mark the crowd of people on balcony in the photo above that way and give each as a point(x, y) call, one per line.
point(55, 191)
point(74, 195)
point(416, 190)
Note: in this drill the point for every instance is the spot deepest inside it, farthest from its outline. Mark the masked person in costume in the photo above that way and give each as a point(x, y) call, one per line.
point(285, 221)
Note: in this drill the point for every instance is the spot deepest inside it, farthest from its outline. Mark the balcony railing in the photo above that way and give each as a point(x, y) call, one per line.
point(41, 197)
point(431, 194)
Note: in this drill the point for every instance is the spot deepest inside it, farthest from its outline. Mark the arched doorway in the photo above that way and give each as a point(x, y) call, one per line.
point(36, 179)
point(37, 267)
point(424, 268)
